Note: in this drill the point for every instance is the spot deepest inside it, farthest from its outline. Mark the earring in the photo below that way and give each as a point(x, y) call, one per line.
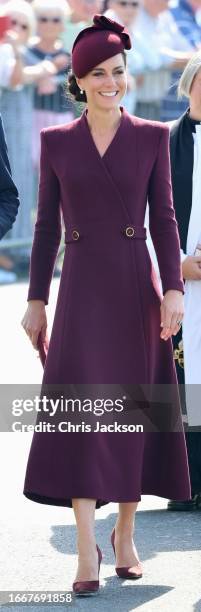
point(81, 91)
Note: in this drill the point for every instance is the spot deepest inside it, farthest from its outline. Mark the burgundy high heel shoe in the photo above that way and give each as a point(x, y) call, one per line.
point(88, 587)
point(123, 572)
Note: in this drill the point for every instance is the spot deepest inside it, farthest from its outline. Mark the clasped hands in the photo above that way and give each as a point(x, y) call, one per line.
point(172, 312)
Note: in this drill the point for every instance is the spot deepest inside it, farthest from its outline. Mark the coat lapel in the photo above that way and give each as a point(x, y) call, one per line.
point(105, 162)
point(114, 140)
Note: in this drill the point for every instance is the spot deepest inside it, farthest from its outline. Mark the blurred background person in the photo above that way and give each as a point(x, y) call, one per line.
point(8, 57)
point(198, 16)
point(9, 201)
point(16, 105)
point(80, 14)
point(185, 152)
point(185, 14)
point(156, 24)
point(51, 107)
point(141, 57)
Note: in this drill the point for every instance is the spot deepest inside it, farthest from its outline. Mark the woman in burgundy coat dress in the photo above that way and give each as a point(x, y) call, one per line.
point(99, 171)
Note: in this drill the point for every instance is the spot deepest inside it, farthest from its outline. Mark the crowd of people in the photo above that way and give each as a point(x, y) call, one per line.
point(35, 58)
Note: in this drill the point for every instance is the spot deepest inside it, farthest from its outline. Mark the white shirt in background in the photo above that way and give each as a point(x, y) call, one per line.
point(7, 63)
point(160, 31)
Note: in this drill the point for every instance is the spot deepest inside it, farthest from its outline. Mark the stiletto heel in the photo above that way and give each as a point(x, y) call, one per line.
point(123, 572)
point(88, 587)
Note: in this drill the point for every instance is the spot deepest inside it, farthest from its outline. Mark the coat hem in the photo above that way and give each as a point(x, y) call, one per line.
point(67, 502)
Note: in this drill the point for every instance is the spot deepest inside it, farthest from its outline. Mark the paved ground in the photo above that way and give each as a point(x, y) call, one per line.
point(38, 542)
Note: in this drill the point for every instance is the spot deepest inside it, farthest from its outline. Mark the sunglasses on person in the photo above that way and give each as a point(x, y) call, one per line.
point(49, 19)
point(23, 26)
point(125, 3)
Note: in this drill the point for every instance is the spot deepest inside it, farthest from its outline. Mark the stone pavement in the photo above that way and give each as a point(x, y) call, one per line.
point(41, 556)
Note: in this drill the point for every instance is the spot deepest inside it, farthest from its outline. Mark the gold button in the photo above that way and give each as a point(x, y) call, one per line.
point(75, 235)
point(130, 232)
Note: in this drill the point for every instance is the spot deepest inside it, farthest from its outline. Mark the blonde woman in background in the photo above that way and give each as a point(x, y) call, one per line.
point(16, 107)
point(51, 107)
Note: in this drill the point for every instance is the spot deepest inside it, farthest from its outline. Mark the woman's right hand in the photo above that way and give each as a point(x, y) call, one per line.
point(191, 268)
point(35, 321)
point(46, 86)
point(48, 68)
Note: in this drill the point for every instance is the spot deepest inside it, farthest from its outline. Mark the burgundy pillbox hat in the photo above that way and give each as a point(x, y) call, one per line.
point(97, 43)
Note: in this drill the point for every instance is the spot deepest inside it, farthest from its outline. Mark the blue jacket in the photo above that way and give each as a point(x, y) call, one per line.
point(185, 18)
point(9, 200)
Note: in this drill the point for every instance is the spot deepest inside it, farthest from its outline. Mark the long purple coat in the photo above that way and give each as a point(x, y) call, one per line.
point(106, 328)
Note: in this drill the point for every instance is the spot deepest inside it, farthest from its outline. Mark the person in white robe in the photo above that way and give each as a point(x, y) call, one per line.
point(185, 155)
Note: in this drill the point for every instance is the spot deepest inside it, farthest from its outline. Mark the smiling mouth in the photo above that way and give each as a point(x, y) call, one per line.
point(108, 94)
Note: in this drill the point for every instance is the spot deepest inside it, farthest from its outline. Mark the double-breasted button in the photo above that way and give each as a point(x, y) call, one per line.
point(75, 235)
point(130, 231)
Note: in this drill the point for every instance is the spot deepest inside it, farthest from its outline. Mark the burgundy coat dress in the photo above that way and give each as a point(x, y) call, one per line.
point(106, 327)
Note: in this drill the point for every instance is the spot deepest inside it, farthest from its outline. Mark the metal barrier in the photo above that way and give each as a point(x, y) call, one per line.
point(8, 245)
point(11, 243)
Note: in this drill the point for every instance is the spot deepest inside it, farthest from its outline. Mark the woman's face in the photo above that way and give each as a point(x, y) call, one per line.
point(20, 25)
point(195, 94)
point(49, 24)
point(155, 7)
point(106, 84)
point(86, 9)
point(195, 4)
point(126, 10)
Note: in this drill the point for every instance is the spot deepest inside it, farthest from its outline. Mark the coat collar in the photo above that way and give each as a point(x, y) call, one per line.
point(116, 137)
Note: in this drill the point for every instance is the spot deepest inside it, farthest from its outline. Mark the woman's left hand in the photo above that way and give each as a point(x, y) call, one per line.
point(61, 61)
point(172, 311)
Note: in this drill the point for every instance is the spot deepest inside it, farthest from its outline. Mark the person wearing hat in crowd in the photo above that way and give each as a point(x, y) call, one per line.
point(112, 326)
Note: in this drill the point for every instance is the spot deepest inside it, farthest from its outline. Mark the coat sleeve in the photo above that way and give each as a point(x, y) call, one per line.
point(162, 221)
point(47, 231)
point(9, 200)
